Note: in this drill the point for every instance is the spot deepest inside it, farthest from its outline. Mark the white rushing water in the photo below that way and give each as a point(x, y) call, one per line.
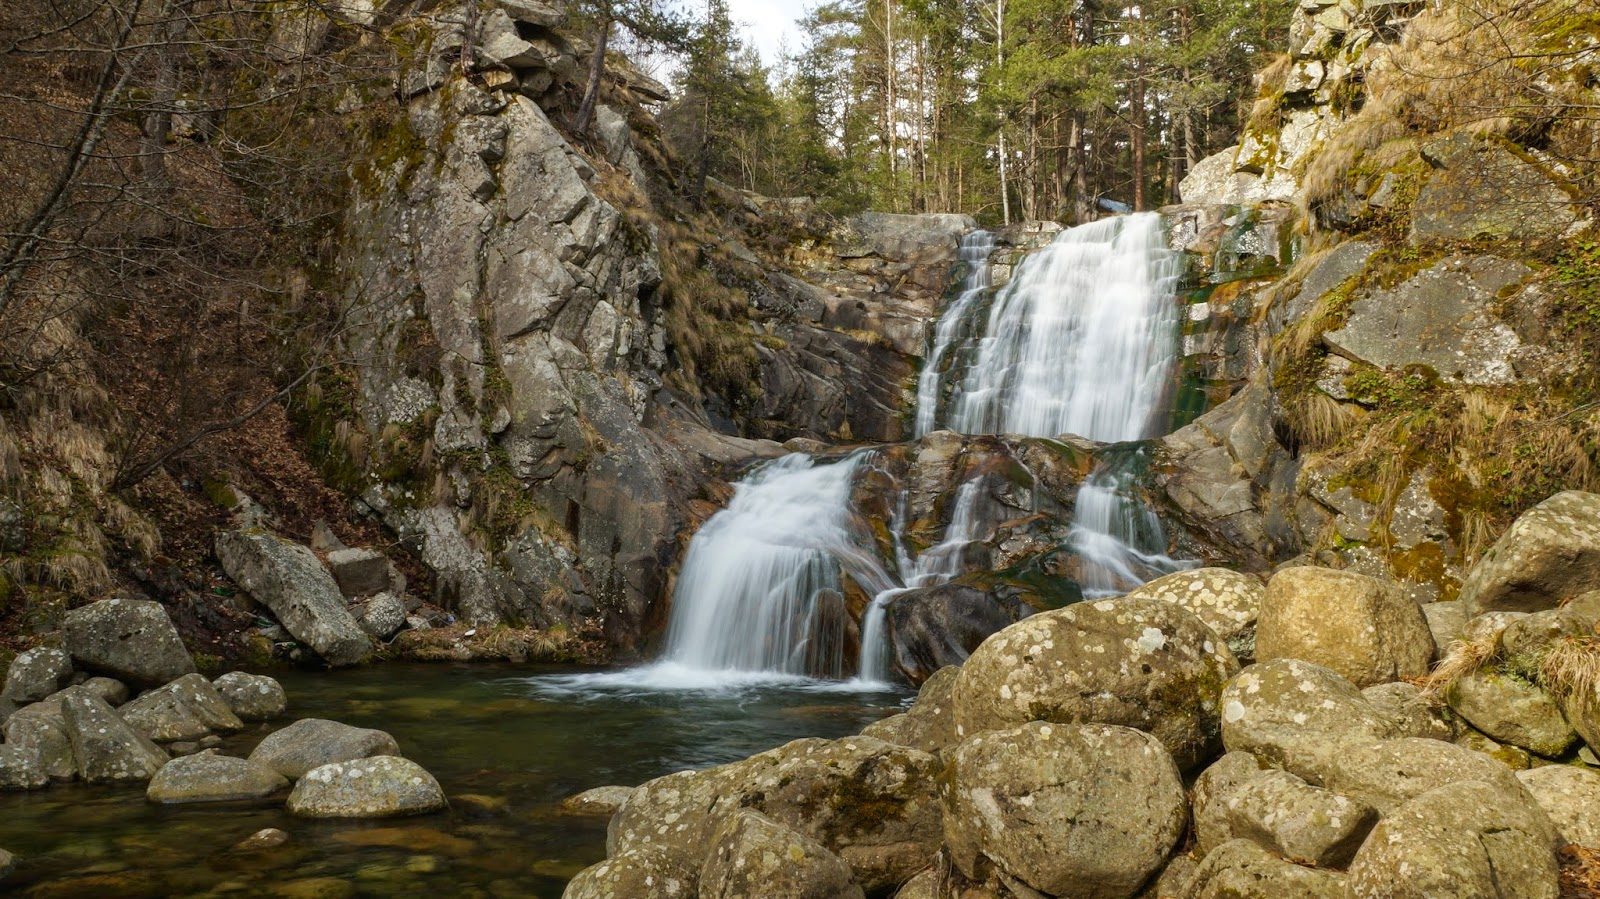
point(1083, 340)
point(976, 248)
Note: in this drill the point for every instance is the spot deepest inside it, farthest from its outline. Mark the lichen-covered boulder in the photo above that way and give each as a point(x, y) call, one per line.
point(290, 580)
point(1550, 553)
point(113, 691)
point(1298, 716)
point(382, 616)
point(1139, 663)
point(1511, 710)
point(380, 786)
point(644, 870)
point(37, 673)
point(1227, 601)
point(871, 803)
point(1240, 869)
point(208, 777)
point(252, 697)
point(1570, 796)
point(1385, 774)
point(1363, 628)
point(929, 725)
point(313, 742)
point(20, 768)
point(1088, 810)
point(41, 729)
point(1462, 839)
point(1409, 712)
point(1239, 798)
point(129, 639)
point(186, 709)
point(106, 748)
point(754, 857)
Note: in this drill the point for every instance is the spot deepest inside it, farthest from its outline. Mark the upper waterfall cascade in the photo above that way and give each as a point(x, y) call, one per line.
point(1083, 340)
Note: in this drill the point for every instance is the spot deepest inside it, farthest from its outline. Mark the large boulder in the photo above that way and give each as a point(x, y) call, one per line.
point(380, 786)
point(289, 579)
point(21, 768)
point(1227, 601)
point(1385, 774)
point(313, 742)
point(129, 639)
point(1549, 554)
point(1240, 869)
point(1364, 629)
point(382, 616)
point(1570, 796)
point(41, 730)
point(1470, 838)
point(1511, 710)
point(929, 725)
point(36, 673)
point(253, 697)
point(107, 749)
point(754, 857)
point(1298, 716)
point(186, 709)
point(871, 803)
point(1087, 811)
point(1239, 798)
point(1139, 663)
point(359, 572)
point(936, 627)
point(207, 777)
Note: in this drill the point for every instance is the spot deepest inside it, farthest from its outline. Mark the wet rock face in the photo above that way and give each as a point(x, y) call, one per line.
point(1138, 663)
point(1550, 553)
point(129, 639)
point(1088, 810)
point(934, 627)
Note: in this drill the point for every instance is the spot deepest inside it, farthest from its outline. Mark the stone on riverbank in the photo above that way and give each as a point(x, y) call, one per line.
point(1227, 601)
point(1570, 796)
point(754, 857)
point(186, 709)
point(129, 639)
point(1386, 774)
point(20, 768)
point(1238, 798)
point(600, 802)
point(381, 786)
point(929, 725)
point(42, 729)
point(107, 749)
point(1087, 811)
point(1512, 711)
point(1363, 628)
point(37, 673)
point(1140, 663)
point(313, 742)
point(643, 871)
point(1240, 869)
point(290, 580)
point(208, 777)
point(252, 697)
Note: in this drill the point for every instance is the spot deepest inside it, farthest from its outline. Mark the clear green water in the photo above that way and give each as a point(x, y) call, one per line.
point(524, 737)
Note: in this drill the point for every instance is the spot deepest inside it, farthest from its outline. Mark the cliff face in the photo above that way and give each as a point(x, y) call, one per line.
point(558, 362)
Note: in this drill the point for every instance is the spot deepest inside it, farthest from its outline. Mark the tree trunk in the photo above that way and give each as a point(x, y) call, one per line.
point(597, 69)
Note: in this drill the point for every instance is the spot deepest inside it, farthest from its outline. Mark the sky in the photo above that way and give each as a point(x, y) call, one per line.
point(767, 23)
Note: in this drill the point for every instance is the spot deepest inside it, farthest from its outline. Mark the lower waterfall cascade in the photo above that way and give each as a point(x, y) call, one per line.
point(1083, 340)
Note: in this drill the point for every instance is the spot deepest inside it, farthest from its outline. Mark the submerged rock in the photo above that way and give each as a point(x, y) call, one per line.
point(600, 802)
point(289, 579)
point(377, 787)
point(1139, 663)
point(313, 742)
point(130, 639)
point(208, 777)
point(1087, 811)
point(1364, 629)
point(754, 857)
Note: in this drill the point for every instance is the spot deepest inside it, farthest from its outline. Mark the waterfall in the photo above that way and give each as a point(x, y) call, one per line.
point(976, 248)
point(761, 588)
point(1083, 340)
point(1118, 540)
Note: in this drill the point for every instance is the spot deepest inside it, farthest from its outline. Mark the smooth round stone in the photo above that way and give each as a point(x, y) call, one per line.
point(377, 787)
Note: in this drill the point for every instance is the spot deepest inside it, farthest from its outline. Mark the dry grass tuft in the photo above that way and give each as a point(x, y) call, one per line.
point(1464, 657)
point(1571, 666)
